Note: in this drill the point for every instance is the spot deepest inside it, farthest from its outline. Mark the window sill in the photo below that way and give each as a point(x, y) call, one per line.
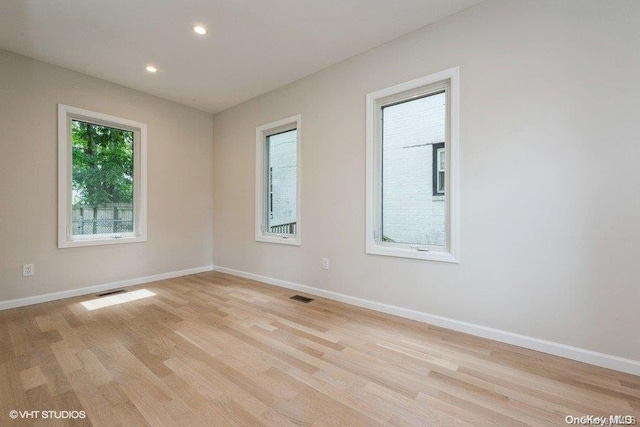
point(411, 253)
point(282, 240)
point(99, 241)
point(437, 198)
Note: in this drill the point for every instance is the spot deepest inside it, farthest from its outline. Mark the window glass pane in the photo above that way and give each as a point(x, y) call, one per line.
point(281, 203)
point(410, 212)
point(102, 179)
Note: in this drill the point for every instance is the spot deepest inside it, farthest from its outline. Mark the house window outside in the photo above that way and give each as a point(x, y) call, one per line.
point(277, 182)
point(439, 167)
point(102, 183)
point(411, 142)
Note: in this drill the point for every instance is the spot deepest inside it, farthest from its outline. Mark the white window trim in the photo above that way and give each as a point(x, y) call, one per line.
point(262, 132)
point(373, 243)
point(65, 238)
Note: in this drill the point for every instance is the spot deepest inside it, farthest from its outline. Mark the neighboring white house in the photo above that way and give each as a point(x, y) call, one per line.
point(281, 203)
point(413, 201)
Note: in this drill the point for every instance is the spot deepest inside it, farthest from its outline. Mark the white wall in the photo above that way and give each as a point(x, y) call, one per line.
point(179, 182)
point(550, 183)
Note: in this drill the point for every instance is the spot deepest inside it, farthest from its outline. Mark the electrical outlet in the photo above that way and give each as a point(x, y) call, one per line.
point(28, 270)
point(325, 263)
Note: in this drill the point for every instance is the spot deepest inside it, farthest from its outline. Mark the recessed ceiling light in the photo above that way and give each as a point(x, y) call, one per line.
point(199, 29)
point(151, 69)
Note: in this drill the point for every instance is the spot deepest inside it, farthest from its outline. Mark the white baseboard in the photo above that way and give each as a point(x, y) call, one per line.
point(575, 353)
point(21, 302)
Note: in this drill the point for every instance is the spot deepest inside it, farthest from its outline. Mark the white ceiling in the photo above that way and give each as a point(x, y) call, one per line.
point(252, 46)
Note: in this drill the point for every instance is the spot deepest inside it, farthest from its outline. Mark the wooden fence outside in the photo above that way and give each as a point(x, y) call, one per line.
point(109, 219)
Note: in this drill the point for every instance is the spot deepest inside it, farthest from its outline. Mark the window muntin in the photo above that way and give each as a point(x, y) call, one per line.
point(101, 180)
point(278, 181)
point(427, 177)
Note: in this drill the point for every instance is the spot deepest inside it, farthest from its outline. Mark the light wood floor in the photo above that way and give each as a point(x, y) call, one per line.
point(215, 350)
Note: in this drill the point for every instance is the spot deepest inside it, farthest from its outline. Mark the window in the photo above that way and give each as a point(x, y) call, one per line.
point(438, 166)
point(278, 182)
point(412, 181)
point(101, 179)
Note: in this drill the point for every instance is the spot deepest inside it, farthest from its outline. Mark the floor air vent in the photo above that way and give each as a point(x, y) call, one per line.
point(117, 291)
point(301, 299)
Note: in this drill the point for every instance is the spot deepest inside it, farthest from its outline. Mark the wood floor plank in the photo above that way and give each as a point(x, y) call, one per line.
point(214, 349)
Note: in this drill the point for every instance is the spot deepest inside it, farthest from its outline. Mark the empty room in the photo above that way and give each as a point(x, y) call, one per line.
point(319, 213)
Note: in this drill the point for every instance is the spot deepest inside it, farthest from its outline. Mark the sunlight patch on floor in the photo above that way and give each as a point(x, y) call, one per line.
point(95, 304)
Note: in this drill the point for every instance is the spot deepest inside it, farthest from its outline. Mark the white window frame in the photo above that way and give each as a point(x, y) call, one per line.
point(262, 192)
point(375, 102)
point(65, 165)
